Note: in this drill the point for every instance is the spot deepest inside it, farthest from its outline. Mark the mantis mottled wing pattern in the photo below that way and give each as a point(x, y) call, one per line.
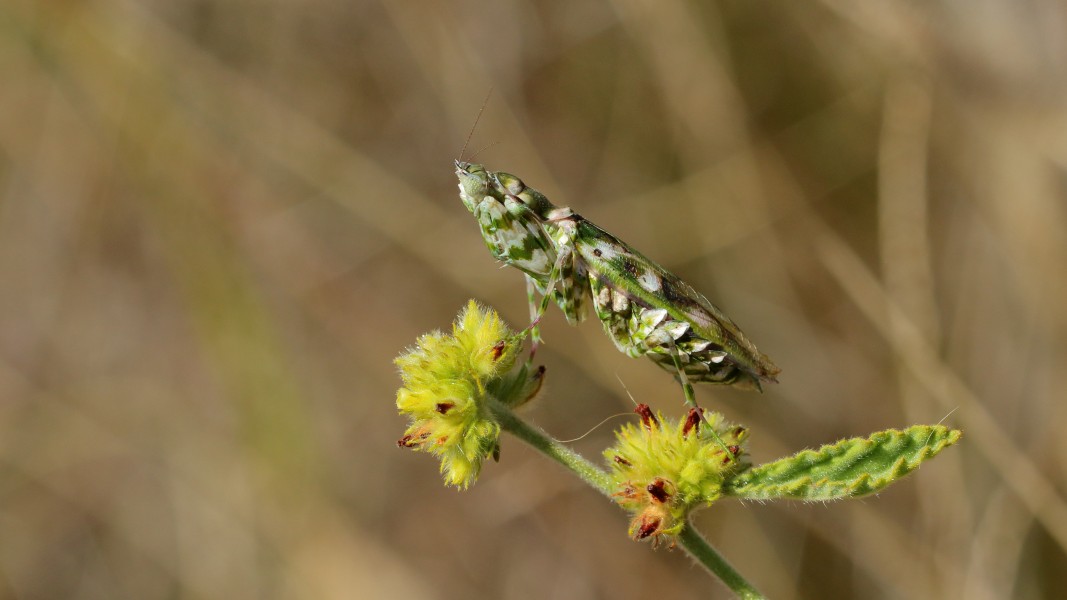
point(663, 309)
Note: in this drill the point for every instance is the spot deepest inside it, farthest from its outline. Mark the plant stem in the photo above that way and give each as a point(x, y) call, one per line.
point(705, 554)
point(540, 440)
point(688, 538)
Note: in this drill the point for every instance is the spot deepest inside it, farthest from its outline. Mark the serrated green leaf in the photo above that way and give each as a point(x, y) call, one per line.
point(848, 469)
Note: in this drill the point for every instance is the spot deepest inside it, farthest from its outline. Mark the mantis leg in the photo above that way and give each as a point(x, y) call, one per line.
point(563, 264)
point(687, 387)
point(535, 330)
point(566, 284)
point(690, 398)
point(537, 309)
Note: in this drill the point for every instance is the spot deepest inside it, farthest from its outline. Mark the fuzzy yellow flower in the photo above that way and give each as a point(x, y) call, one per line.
point(446, 381)
point(662, 468)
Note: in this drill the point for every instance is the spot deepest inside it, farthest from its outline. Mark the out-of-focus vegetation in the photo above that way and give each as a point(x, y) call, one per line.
point(220, 221)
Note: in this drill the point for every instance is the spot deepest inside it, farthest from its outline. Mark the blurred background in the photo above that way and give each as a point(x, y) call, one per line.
point(221, 221)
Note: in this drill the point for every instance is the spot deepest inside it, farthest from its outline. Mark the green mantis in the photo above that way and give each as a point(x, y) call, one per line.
point(644, 308)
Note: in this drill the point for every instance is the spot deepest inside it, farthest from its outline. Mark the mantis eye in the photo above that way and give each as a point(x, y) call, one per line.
point(513, 185)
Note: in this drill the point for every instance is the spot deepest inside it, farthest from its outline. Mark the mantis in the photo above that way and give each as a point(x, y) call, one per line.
point(644, 308)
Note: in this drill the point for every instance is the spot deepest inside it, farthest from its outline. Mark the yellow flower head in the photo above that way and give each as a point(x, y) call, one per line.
point(445, 385)
point(664, 468)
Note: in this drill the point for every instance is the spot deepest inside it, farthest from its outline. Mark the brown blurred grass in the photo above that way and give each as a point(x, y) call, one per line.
point(220, 221)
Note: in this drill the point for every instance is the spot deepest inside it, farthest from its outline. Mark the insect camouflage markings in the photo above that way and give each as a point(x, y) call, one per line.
point(646, 309)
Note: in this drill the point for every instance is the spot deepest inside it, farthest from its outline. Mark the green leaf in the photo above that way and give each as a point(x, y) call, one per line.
point(847, 469)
